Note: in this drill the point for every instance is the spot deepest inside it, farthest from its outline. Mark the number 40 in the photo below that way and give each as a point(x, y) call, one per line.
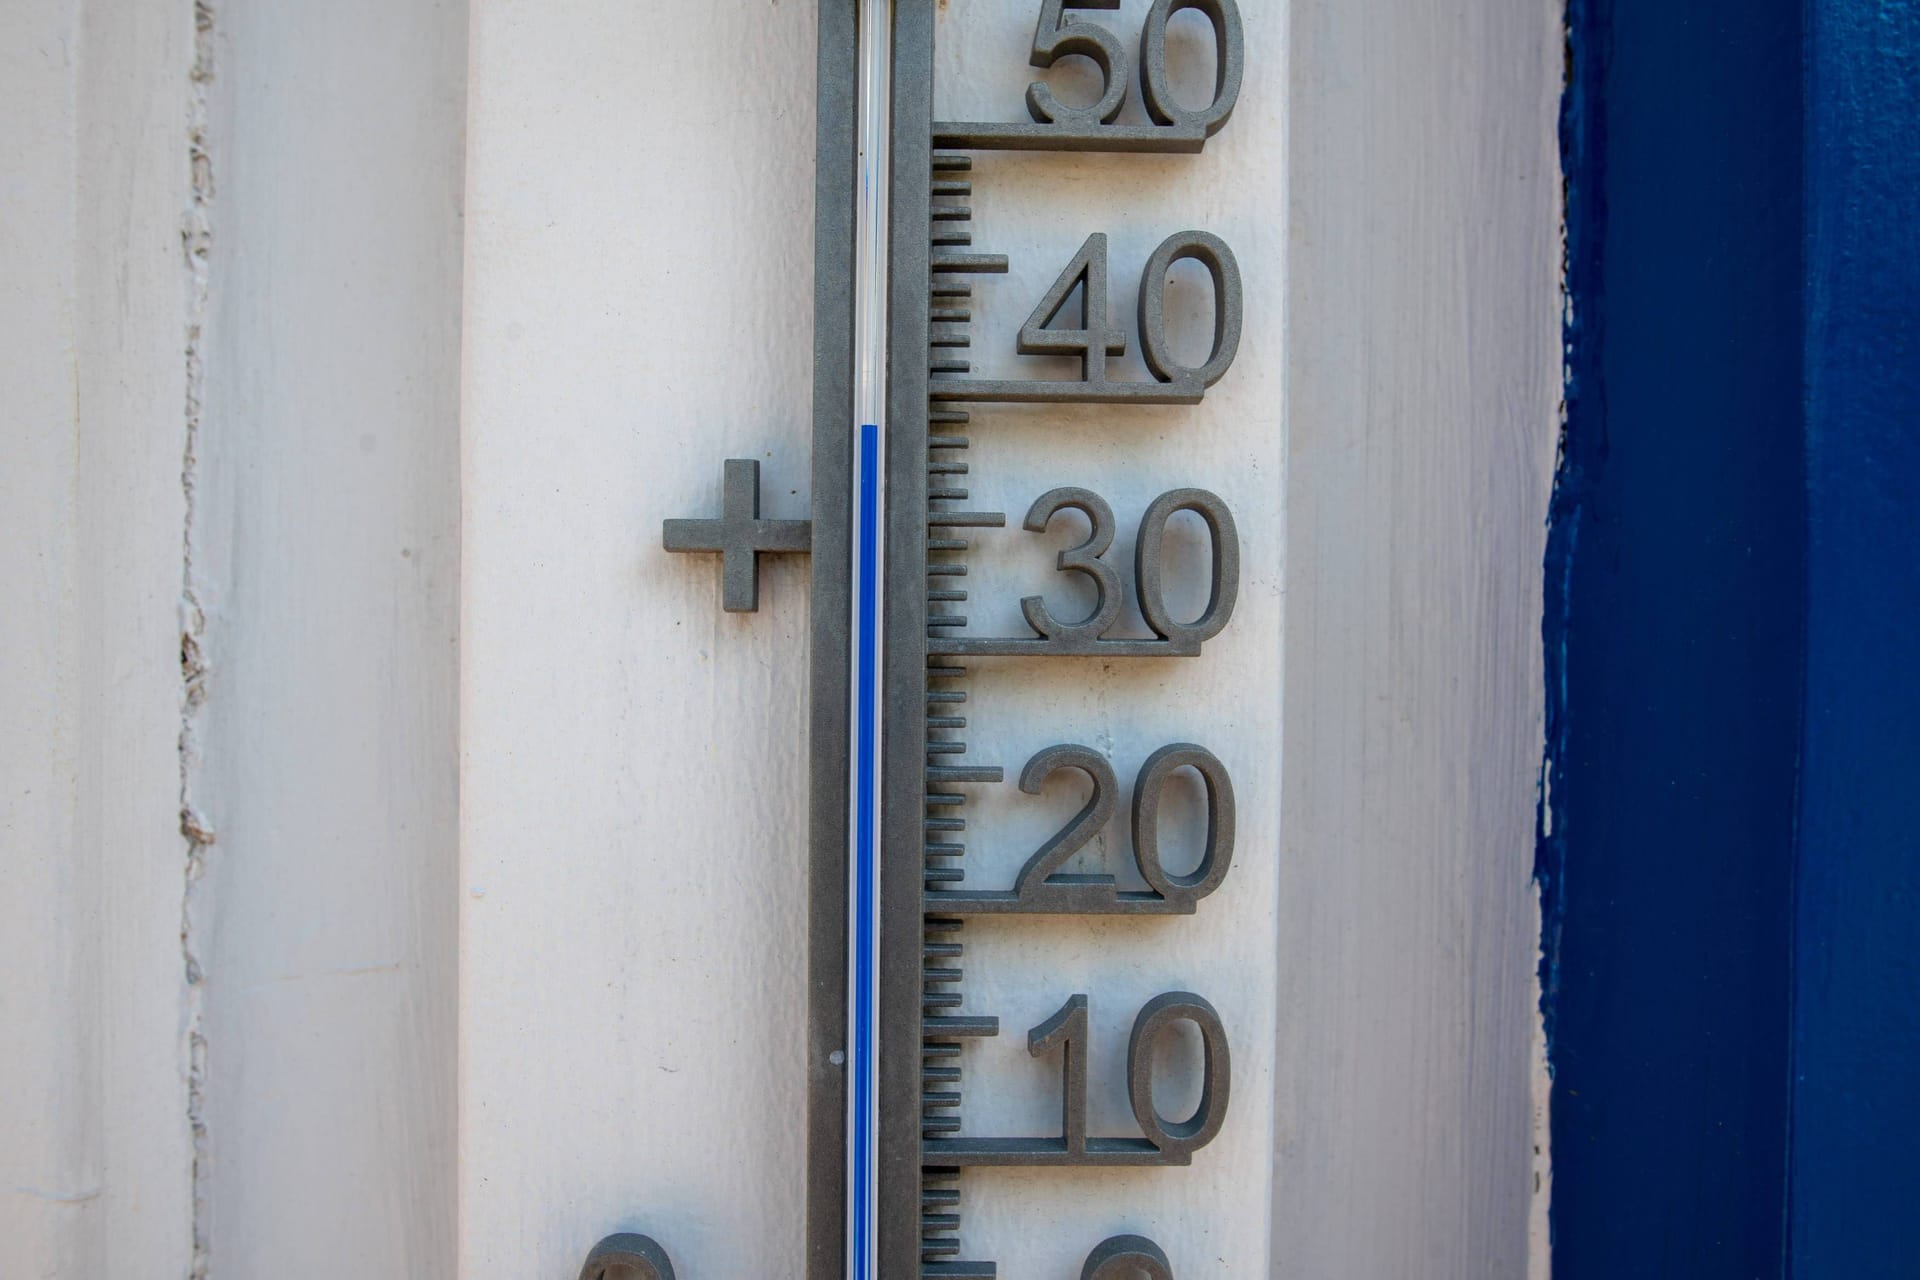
point(1096, 338)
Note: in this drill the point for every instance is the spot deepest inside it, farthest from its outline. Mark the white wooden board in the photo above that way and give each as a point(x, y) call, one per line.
point(633, 779)
point(1422, 412)
point(95, 1160)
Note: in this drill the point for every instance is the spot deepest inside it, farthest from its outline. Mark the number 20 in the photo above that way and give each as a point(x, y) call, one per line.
point(1040, 882)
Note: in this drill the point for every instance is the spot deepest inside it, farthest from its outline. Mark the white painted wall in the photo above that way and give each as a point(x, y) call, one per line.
point(325, 560)
point(93, 1134)
point(231, 315)
point(1422, 411)
point(633, 770)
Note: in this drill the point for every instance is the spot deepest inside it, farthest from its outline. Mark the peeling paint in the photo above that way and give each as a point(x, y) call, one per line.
point(196, 234)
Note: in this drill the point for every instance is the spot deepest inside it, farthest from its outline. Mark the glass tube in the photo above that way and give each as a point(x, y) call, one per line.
point(868, 630)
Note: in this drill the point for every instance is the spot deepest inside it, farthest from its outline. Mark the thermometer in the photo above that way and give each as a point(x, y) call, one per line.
point(889, 1146)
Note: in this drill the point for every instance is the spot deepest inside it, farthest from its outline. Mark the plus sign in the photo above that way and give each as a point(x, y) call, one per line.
point(740, 536)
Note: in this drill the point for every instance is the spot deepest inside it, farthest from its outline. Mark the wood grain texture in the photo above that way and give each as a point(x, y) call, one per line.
point(325, 558)
point(93, 1136)
point(1422, 412)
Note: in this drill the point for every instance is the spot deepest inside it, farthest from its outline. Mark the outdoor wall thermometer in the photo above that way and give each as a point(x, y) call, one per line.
point(888, 1140)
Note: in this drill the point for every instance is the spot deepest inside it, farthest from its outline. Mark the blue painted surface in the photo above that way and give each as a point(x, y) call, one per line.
point(1730, 856)
point(1856, 1117)
point(1674, 634)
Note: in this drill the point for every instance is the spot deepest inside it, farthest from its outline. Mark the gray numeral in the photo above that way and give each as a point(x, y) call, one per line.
point(1166, 1142)
point(1057, 36)
point(1230, 64)
point(1042, 889)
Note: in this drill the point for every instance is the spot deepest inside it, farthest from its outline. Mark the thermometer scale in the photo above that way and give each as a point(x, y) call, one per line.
point(895, 272)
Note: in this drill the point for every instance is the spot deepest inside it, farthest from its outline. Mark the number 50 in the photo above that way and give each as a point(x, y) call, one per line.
point(1058, 36)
